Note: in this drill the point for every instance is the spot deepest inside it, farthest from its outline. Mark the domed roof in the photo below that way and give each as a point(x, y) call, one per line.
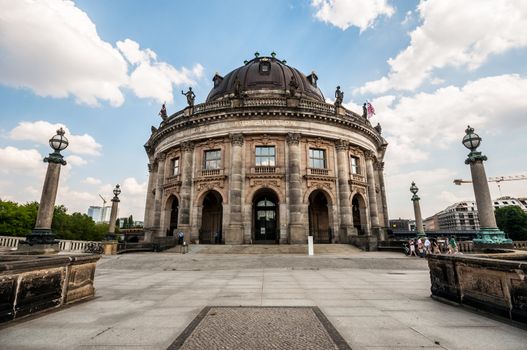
point(265, 73)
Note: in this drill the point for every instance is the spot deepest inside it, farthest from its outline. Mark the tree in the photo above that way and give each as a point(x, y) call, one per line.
point(17, 219)
point(513, 221)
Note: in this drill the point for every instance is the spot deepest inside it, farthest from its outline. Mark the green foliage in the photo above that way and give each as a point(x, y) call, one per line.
point(513, 221)
point(19, 220)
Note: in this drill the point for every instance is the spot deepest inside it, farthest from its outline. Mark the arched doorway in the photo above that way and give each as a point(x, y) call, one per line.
point(265, 217)
point(319, 218)
point(211, 219)
point(172, 225)
point(358, 209)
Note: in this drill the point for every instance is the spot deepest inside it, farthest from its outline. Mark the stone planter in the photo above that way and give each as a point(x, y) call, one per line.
point(495, 282)
point(34, 283)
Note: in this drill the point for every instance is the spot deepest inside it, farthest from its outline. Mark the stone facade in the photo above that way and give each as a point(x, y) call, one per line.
point(266, 168)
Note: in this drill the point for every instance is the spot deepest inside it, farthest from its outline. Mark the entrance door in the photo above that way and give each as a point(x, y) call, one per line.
point(319, 218)
point(356, 211)
point(173, 216)
point(211, 219)
point(265, 220)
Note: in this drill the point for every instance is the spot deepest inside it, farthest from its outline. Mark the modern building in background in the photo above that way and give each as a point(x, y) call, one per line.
point(463, 216)
point(266, 160)
point(99, 214)
point(507, 201)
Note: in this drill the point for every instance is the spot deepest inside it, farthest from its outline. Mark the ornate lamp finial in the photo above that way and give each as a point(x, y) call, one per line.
point(256, 54)
point(273, 54)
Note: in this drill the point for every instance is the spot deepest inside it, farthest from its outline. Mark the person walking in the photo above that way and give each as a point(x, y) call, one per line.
point(412, 248)
point(427, 246)
point(453, 245)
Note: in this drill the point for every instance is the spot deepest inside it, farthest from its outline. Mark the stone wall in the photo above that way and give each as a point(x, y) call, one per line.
point(494, 282)
point(30, 284)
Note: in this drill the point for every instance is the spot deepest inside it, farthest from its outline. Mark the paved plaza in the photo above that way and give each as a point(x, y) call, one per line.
point(375, 300)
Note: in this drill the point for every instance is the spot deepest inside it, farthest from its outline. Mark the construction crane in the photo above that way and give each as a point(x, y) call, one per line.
point(498, 180)
point(103, 211)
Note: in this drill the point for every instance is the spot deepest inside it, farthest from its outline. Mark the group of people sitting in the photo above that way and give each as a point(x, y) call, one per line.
point(423, 246)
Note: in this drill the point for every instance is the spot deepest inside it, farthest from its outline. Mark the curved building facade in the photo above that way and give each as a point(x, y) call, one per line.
point(266, 160)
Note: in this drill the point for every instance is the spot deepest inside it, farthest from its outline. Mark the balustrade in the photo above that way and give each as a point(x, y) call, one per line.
point(316, 171)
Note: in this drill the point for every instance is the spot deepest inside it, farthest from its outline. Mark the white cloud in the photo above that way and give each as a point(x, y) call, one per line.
point(52, 47)
point(416, 126)
point(346, 13)
point(92, 181)
point(25, 160)
point(41, 131)
point(153, 79)
point(75, 160)
point(456, 34)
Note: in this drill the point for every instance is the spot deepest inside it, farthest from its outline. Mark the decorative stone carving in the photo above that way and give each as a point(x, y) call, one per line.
point(293, 138)
point(318, 142)
point(320, 184)
point(210, 185)
point(150, 167)
point(187, 146)
point(236, 139)
point(161, 156)
point(264, 139)
point(341, 145)
point(379, 166)
point(369, 155)
point(264, 182)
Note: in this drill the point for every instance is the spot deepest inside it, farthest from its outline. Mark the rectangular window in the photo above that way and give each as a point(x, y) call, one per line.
point(317, 158)
point(212, 159)
point(355, 167)
point(175, 166)
point(265, 156)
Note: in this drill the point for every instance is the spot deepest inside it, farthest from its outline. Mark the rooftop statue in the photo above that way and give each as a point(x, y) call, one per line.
point(293, 86)
point(163, 112)
point(339, 96)
point(190, 96)
point(237, 88)
point(378, 128)
point(364, 111)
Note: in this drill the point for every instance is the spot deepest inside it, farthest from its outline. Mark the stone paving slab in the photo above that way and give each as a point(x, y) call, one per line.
point(255, 328)
point(375, 301)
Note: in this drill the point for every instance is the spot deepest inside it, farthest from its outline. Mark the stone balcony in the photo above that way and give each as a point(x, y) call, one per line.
point(172, 181)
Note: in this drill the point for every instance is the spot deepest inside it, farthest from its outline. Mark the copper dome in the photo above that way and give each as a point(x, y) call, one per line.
point(266, 75)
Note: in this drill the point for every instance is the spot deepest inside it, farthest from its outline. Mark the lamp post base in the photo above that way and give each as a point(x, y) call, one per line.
point(41, 236)
point(492, 236)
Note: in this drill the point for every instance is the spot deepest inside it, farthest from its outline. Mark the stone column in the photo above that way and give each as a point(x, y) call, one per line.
point(372, 197)
point(234, 234)
point(187, 149)
point(346, 229)
point(380, 169)
point(417, 211)
point(488, 235)
point(49, 195)
point(160, 178)
point(113, 217)
point(297, 223)
point(149, 206)
point(487, 219)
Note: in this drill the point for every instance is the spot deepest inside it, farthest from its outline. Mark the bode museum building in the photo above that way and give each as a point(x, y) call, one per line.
point(266, 160)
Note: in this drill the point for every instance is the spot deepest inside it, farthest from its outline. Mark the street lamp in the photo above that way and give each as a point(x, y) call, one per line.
point(113, 213)
point(489, 234)
point(41, 234)
point(417, 210)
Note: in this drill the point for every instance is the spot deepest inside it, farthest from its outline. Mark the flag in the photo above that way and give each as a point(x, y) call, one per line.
point(370, 109)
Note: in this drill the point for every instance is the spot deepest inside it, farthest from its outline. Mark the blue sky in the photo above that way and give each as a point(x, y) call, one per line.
point(102, 69)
